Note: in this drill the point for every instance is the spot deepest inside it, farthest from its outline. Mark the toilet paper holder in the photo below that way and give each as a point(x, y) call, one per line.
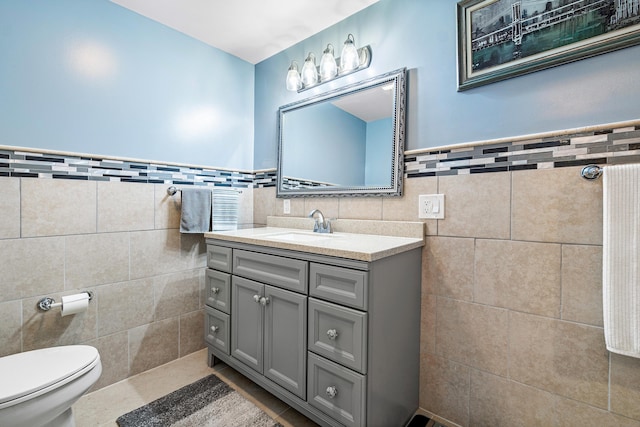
point(47, 303)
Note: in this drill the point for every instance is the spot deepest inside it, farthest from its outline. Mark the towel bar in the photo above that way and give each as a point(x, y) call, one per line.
point(173, 190)
point(591, 172)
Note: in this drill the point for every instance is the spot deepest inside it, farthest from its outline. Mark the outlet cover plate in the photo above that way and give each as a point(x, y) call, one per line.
point(431, 206)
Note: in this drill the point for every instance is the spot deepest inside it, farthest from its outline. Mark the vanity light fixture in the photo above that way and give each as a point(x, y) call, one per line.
point(293, 77)
point(328, 66)
point(309, 71)
point(349, 59)
point(353, 59)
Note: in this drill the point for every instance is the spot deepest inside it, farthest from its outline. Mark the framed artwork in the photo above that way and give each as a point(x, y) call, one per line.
point(499, 39)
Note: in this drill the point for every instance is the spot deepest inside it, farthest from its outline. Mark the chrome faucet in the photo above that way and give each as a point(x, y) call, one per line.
point(321, 225)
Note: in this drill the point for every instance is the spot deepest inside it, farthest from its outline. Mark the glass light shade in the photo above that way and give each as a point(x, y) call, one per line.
point(309, 71)
point(349, 60)
point(328, 67)
point(293, 78)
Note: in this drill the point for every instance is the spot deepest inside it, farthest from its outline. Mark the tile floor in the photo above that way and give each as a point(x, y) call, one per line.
point(102, 407)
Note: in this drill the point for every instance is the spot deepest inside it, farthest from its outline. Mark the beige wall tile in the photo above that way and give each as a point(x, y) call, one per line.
point(167, 208)
point(561, 357)
point(125, 206)
point(176, 293)
point(496, 402)
point(114, 355)
point(191, 332)
point(444, 388)
point(330, 207)
point(571, 414)
point(428, 324)
point(96, 259)
point(361, 207)
point(10, 327)
point(158, 252)
point(10, 208)
point(53, 207)
point(472, 334)
point(43, 329)
point(31, 267)
point(124, 305)
point(582, 284)
point(625, 386)
point(296, 206)
point(153, 345)
point(476, 205)
point(245, 208)
point(264, 204)
point(521, 276)
point(405, 208)
point(557, 205)
point(449, 266)
point(427, 284)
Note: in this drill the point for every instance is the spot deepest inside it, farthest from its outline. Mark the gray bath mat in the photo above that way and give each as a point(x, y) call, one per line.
point(207, 402)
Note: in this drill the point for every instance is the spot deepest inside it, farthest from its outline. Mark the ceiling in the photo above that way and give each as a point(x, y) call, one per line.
point(252, 30)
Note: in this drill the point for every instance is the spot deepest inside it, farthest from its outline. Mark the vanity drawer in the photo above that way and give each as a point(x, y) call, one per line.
point(271, 269)
point(219, 257)
point(336, 391)
point(338, 333)
point(218, 290)
point(342, 285)
point(216, 329)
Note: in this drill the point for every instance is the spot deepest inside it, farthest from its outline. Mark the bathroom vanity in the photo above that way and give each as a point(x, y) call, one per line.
point(329, 324)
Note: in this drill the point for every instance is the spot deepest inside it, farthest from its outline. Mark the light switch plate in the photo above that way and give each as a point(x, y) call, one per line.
point(286, 206)
point(431, 206)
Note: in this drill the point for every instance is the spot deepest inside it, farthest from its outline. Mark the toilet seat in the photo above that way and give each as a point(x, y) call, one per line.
point(32, 373)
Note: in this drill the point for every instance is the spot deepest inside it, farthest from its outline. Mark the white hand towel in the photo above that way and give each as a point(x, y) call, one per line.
point(225, 210)
point(621, 258)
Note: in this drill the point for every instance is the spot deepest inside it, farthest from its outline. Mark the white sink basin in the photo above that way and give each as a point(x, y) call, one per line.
point(301, 237)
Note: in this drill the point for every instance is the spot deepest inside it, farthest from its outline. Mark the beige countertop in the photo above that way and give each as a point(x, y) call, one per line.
point(358, 246)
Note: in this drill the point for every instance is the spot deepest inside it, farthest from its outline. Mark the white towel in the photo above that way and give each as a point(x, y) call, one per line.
point(621, 258)
point(225, 210)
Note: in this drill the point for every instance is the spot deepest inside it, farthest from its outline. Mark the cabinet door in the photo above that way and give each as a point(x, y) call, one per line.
point(286, 339)
point(247, 323)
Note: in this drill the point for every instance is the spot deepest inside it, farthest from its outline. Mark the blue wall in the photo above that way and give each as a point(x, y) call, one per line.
point(421, 35)
point(89, 76)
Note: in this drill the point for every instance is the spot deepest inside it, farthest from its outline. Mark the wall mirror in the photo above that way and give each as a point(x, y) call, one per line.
point(346, 142)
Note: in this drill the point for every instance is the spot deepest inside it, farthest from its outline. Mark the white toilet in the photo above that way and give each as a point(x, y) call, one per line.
point(37, 388)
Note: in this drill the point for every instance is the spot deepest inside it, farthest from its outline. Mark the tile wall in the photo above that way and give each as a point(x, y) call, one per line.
point(120, 240)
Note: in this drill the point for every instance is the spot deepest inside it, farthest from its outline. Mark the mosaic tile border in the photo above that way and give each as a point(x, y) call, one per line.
point(606, 144)
point(27, 164)
point(602, 145)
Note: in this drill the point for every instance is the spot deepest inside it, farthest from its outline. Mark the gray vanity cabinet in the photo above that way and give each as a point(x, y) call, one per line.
point(268, 332)
point(335, 338)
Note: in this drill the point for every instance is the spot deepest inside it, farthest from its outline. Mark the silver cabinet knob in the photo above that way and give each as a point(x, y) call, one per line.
point(256, 298)
point(332, 391)
point(215, 329)
point(264, 300)
point(215, 290)
point(332, 334)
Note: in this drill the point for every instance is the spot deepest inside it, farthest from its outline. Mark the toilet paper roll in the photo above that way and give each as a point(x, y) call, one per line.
point(73, 304)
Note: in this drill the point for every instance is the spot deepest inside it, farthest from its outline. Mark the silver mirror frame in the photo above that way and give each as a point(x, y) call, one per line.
point(398, 78)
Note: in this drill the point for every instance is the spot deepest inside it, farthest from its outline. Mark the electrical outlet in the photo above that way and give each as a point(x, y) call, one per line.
point(286, 206)
point(431, 206)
